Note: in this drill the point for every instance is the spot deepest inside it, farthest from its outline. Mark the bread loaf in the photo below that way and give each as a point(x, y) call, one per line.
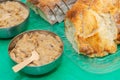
point(51, 10)
point(90, 31)
point(109, 6)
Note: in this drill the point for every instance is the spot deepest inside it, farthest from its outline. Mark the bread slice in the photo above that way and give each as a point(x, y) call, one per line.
point(44, 11)
point(51, 10)
point(63, 6)
point(58, 13)
point(91, 33)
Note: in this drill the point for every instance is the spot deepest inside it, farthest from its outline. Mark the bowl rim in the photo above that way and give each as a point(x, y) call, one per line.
point(35, 31)
point(23, 4)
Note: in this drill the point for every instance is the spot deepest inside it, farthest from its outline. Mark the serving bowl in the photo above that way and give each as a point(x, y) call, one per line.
point(11, 31)
point(37, 69)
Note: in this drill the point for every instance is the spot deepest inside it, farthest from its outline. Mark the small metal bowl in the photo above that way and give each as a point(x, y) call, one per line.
point(9, 32)
point(36, 70)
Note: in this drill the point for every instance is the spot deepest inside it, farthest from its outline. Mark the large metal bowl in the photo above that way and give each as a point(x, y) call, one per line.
point(12, 31)
point(37, 70)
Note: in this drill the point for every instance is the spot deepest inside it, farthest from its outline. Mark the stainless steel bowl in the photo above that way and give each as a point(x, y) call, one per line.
point(14, 30)
point(37, 70)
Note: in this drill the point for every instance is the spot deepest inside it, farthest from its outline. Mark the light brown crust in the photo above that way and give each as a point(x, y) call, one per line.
point(43, 3)
point(84, 17)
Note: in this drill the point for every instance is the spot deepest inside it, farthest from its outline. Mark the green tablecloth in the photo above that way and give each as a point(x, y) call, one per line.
point(68, 70)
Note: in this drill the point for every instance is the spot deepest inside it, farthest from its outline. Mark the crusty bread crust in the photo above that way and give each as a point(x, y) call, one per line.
point(94, 32)
point(112, 7)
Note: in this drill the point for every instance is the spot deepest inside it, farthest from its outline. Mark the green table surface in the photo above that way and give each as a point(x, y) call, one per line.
point(68, 70)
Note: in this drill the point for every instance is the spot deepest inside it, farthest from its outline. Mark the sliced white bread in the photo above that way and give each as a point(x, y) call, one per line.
point(51, 10)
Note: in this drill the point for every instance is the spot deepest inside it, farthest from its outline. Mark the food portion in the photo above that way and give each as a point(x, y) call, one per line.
point(109, 6)
point(47, 45)
point(91, 28)
point(51, 10)
point(12, 13)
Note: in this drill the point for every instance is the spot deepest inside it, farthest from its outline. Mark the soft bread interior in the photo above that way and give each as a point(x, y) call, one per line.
point(70, 34)
point(91, 33)
point(37, 11)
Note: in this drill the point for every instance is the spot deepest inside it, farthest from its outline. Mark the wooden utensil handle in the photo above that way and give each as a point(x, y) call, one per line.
point(21, 65)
